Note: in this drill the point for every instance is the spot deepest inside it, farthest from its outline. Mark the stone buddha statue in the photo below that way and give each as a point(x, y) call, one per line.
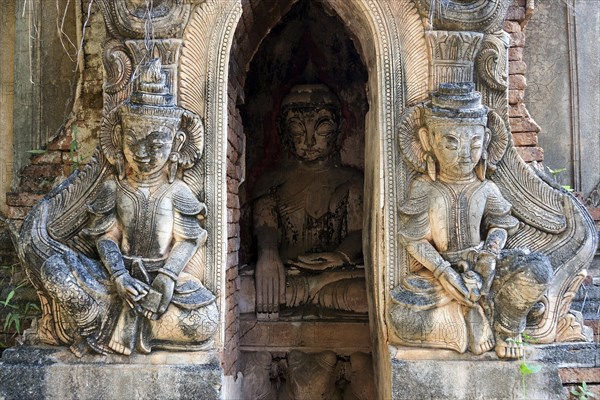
point(464, 289)
point(308, 214)
point(122, 284)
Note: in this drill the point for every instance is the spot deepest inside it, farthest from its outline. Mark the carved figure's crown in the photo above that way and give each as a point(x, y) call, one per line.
point(315, 95)
point(151, 96)
point(457, 102)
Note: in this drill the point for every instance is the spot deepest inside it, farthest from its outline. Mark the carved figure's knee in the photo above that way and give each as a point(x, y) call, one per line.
point(199, 324)
point(539, 268)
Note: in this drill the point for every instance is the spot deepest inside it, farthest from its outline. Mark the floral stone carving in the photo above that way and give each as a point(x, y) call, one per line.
point(113, 251)
point(308, 214)
point(465, 289)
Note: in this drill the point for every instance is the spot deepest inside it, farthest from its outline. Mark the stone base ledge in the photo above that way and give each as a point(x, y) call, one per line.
point(46, 372)
point(443, 374)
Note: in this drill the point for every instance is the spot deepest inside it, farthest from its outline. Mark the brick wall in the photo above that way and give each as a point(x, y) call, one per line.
point(63, 153)
point(525, 130)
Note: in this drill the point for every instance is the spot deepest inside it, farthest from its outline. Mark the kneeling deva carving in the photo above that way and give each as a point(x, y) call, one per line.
point(113, 251)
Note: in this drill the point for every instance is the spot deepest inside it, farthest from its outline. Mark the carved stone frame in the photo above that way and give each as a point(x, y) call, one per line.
point(391, 39)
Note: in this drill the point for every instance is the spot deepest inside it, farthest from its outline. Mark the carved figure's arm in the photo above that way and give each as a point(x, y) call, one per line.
point(485, 264)
point(424, 252)
point(129, 288)
point(498, 222)
point(269, 273)
point(188, 236)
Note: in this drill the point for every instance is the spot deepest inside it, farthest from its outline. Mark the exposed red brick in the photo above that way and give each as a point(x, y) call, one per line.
point(517, 67)
point(595, 213)
point(48, 157)
point(529, 154)
point(517, 39)
point(578, 375)
point(525, 139)
point(517, 110)
point(523, 125)
point(63, 142)
point(515, 96)
point(512, 26)
point(22, 199)
point(515, 13)
point(17, 212)
point(516, 82)
point(515, 54)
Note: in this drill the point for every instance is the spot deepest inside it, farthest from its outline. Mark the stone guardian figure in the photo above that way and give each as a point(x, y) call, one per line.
point(464, 289)
point(110, 250)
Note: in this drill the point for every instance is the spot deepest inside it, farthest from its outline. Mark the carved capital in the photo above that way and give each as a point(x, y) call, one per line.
point(134, 19)
point(452, 56)
point(464, 15)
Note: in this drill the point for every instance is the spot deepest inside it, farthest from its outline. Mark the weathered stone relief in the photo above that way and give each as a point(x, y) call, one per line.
point(308, 215)
point(318, 375)
point(110, 251)
point(475, 16)
point(552, 236)
point(460, 255)
point(118, 251)
point(462, 289)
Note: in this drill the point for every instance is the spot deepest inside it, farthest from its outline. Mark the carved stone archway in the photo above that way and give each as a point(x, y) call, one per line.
point(391, 40)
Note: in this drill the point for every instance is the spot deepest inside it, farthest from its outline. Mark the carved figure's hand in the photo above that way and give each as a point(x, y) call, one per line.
point(321, 261)
point(130, 289)
point(164, 285)
point(270, 281)
point(453, 283)
point(486, 267)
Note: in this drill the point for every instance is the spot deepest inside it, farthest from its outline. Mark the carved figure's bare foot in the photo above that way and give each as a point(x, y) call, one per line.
point(482, 347)
point(509, 347)
point(481, 337)
point(79, 348)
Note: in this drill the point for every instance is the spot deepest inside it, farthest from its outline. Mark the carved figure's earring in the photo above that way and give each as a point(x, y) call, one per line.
point(174, 163)
point(120, 165)
point(175, 156)
point(431, 169)
point(481, 167)
point(423, 134)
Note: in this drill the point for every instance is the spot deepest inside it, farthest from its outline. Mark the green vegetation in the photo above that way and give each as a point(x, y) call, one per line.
point(525, 367)
point(581, 392)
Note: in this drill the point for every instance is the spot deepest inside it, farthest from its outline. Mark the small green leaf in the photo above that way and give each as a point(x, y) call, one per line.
point(8, 298)
point(527, 369)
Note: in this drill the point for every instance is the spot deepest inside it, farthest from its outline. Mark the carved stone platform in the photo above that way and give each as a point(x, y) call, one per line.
point(44, 372)
point(444, 374)
point(308, 336)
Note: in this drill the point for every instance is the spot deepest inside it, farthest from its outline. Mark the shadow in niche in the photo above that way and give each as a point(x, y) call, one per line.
point(326, 349)
point(308, 46)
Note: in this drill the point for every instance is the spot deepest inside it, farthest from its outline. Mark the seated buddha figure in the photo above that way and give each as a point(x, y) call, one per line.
point(464, 289)
point(308, 214)
point(144, 222)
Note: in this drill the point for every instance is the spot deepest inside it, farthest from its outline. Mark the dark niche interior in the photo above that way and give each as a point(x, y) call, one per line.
point(309, 45)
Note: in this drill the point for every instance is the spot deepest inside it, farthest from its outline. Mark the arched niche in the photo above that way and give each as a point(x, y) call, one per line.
point(307, 46)
point(218, 44)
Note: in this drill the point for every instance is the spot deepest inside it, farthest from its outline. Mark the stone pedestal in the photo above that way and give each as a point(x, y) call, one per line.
point(42, 372)
point(443, 374)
